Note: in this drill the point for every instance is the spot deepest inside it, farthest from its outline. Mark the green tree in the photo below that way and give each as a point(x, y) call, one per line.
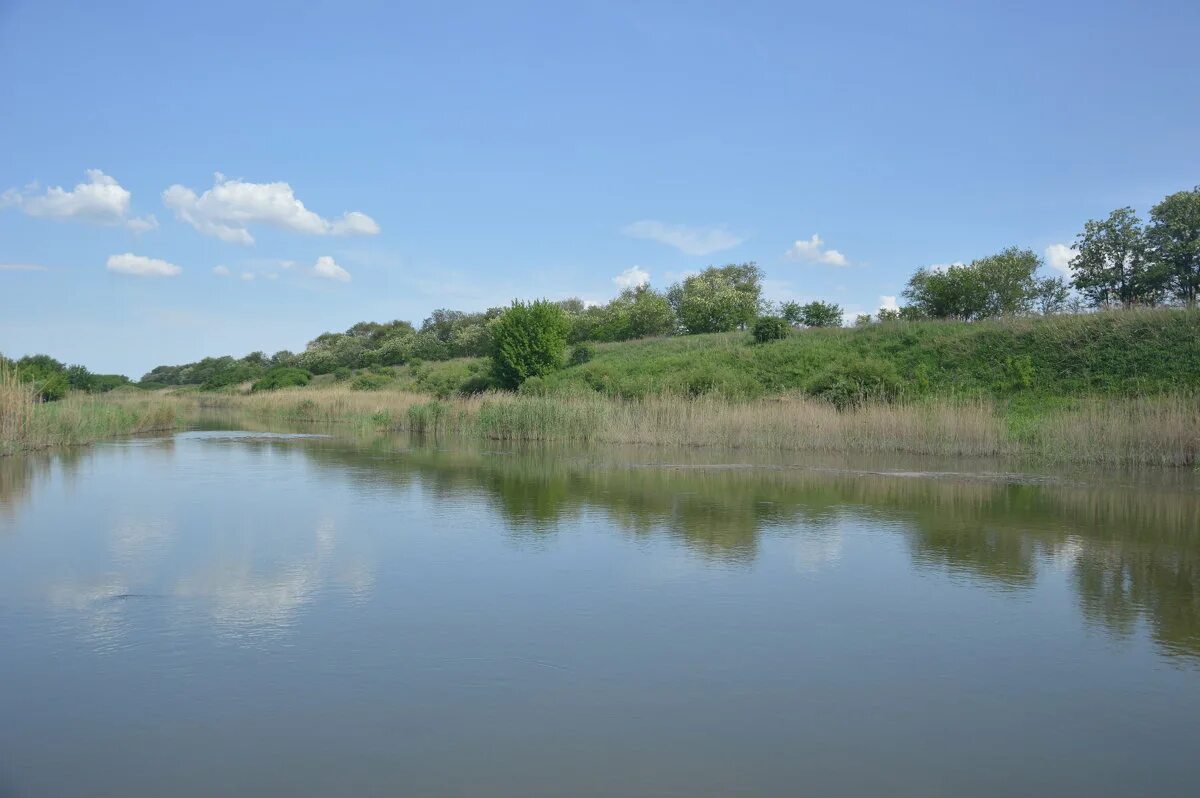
point(529, 340)
point(1111, 266)
point(1004, 284)
point(821, 314)
point(1174, 239)
point(636, 313)
point(792, 312)
point(718, 299)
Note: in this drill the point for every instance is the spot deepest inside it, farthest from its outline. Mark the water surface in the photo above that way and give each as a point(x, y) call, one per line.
point(219, 613)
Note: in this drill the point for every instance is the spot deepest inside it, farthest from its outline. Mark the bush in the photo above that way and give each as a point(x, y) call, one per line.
point(534, 386)
point(851, 384)
point(528, 340)
point(52, 388)
point(771, 328)
point(281, 377)
point(342, 373)
point(369, 382)
point(581, 354)
point(476, 383)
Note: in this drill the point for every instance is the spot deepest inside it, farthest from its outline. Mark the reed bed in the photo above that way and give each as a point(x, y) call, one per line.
point(1158, 431)
point(26, 423)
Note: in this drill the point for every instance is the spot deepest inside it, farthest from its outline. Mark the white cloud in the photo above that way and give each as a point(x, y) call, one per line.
point(812, 250)
point(22, 267)
point(633, 277)
point(228, 209)
point(221, 271)
point(140, 266)
point(326, 267)
point(1059, 257)
point(101, 200)
point(689, 240)
point(888, 303)
point(142, 224)
point(247, 276)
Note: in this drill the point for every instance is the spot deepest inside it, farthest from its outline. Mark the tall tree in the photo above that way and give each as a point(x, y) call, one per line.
point(1174, 239)
point(1111, 266)
point(718, 299)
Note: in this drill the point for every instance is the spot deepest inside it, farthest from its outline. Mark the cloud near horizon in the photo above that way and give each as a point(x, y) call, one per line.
point(141, 266)
point(327, 268)
point(688, 240)
point(227, 210)
point(1059, 257)
point(812, 250)
point(633, 277)
point(101, 200)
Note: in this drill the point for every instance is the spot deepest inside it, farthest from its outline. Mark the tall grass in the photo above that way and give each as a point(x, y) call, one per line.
point(1148, 431)
point(26, 423)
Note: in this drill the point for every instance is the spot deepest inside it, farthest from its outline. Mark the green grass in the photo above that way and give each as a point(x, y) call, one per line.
point(1121, 353)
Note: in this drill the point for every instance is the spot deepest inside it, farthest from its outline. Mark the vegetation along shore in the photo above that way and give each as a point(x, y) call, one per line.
point(993, 357)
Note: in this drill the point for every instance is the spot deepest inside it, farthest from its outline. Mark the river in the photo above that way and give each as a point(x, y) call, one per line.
point(245, 613)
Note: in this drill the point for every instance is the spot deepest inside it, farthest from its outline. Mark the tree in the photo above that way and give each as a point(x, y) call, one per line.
point(821, 314)
point(529, 340)
point(637, 313)
point(792, 312)
point(717, 299)
point(1004, 284)
point(1111, 266)
point(1174, 240)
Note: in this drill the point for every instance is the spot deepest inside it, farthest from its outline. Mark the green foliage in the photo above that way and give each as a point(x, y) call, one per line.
point(717, 299)
point(1112, 265)
point(528, 340)
point(1004, 284)
point(370, 382)
point(862, 319)
point(821, 314)
point(771, 328)
point(792, 312)
point(852, 383)
point(1174, 240)
point(281, 377)
point(580, 354)
point(53, 387)
point(1125, 353)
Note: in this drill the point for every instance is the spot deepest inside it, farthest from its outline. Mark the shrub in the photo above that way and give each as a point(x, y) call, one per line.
point(851, 384)
point(528, 340)
point(369, 382)
point(581, 354)
point(52, 388)
point(771, 328)
point(476, 383)
point(534, 386)
point(281, 377)
point(342, 373)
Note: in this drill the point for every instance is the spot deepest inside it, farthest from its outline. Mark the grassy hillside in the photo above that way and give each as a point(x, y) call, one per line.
point(1123, 353)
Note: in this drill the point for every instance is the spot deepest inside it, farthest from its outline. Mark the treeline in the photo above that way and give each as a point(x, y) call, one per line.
point(1120, 262)
point(52, 379)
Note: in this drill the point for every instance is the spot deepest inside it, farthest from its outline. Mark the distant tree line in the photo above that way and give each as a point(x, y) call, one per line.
point(1120, 262)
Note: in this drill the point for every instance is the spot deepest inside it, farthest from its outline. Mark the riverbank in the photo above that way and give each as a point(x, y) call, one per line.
point(27, 424)
point(1162, 431)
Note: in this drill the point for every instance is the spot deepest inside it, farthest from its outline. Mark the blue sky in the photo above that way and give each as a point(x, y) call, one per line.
point(463, 154)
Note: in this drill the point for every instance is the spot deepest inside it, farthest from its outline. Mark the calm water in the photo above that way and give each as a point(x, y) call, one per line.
point(237, 614)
